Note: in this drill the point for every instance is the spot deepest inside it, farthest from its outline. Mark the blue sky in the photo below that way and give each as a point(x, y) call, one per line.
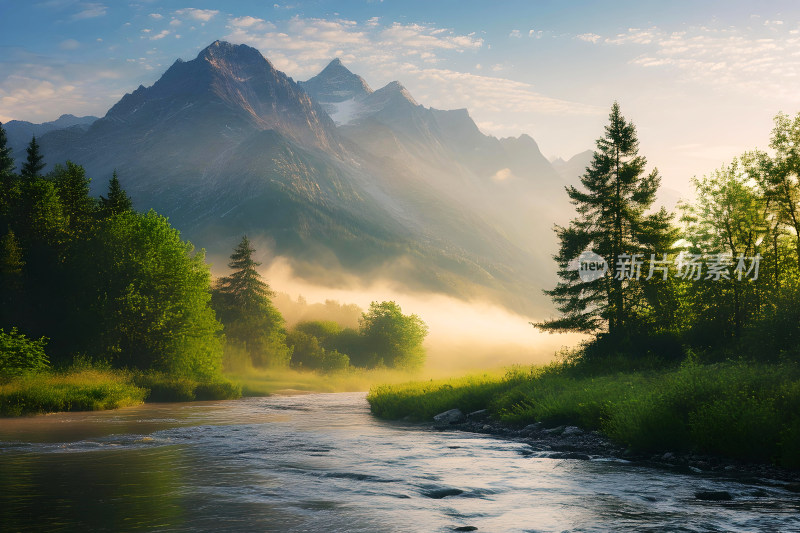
point(701, 80)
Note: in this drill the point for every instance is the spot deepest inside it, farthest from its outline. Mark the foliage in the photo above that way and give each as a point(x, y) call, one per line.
point(117, 200)
point(164, 387)
point(34, 163)
point(392, 338)
point(109, 283)
point(18, 354)
point(149, 297)
point(612, 220)
point(243, 304)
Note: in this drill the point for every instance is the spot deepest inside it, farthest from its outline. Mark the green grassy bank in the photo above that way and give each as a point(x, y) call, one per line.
point(740, 410)
point(88, 389)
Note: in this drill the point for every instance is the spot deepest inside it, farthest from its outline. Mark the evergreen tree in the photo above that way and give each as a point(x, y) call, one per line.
point(118, 200)
point(244, 306)
point(73, 189)
point(9, 191)
point(244, 287)
point(33, 164)
point(612, 221)
point(6, 161)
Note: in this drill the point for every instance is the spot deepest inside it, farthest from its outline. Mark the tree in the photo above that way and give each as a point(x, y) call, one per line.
point(6, 161)
point(612, 220)
point(243, 304)
point(33, 164)
point(392, 338)
point(142, 297)
point(11, 276)
point(118, 200)
point(9, 191)
point(730, 220)
point(779, 176)
point(73, 189)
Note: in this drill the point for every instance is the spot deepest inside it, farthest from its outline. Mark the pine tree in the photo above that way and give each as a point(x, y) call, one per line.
point(243, 304)
point(611, 220)
point(33, 164)
point(73, 190)
point(6, 161)
point(9, 190)
point(244, 287)
point(118, 200)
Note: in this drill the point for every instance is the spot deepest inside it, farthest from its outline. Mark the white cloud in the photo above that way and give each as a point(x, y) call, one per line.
point(515, 33)
point(755, 61)
point(160, 35)
point(249, 23)
point(589, 37)
point(89, 10)
point(407, 52)
point(203, 15)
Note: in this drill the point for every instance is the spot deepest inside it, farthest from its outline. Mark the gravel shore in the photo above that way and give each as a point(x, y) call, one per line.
point(571, 442)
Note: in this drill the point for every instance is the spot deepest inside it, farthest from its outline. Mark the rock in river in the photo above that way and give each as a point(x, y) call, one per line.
point(453, 416)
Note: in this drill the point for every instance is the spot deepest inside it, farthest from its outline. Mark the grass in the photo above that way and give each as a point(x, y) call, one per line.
point(266, 381)
point(92, 389)
point(81, 390)
point(163, 387)
point(740, 410)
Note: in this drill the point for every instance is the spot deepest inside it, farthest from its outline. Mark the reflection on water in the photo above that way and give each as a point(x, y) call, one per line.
point(322, 463)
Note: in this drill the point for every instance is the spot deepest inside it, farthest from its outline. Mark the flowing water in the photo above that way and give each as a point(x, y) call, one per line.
point(321, 463)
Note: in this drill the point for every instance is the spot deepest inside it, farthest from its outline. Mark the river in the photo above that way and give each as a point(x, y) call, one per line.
point(322, 463)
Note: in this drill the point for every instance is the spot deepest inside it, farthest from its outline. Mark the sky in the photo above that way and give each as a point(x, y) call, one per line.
point(701, 81)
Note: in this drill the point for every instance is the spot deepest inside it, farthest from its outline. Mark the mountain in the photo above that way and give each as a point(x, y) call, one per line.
point(507, 182)
point(572, 169)
point(225, 144)
point(338, 91)
point(19, 132)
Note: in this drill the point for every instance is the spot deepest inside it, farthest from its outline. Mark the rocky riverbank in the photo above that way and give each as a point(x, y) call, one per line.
point(572, 442)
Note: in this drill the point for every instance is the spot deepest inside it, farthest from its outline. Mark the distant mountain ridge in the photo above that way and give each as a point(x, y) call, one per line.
point(20, 132)
point(225, 144)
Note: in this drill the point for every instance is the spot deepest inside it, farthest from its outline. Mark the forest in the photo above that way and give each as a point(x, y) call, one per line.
point(103, 306)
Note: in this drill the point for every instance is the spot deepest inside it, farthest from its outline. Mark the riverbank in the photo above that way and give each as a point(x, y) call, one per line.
point(737, 412)
point(572, 442)
point(91, 389)
point(85, 388)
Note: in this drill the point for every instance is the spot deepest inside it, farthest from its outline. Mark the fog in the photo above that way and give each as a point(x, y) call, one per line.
point(463, 335)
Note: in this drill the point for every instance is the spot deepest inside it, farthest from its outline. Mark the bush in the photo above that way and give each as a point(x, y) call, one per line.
point(168, 388)
point(18, 354)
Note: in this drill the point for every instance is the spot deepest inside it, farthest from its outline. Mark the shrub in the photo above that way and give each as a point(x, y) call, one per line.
point(18, 354)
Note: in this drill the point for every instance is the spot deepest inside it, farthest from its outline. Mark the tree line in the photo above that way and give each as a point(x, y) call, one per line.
point(92, 277)
point(720, 273)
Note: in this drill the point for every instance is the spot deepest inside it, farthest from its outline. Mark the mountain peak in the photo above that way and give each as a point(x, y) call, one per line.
point(394, 91)
point(223, 50)
point(232, 87)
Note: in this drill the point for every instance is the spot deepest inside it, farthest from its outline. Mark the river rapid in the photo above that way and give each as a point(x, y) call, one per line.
point(322, 463)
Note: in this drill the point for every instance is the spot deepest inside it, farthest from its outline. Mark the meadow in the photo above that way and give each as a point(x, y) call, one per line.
point(736, 409)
